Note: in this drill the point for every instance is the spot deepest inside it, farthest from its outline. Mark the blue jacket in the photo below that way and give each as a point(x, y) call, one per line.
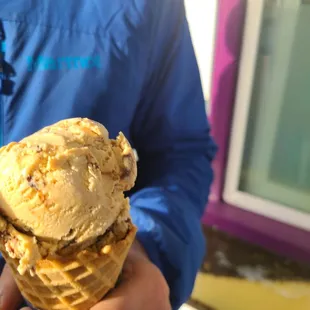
point(130, 65)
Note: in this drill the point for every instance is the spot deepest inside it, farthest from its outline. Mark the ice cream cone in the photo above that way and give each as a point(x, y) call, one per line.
point(76, 282)
point(65, 226)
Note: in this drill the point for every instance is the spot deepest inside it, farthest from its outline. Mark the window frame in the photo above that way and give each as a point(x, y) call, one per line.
point(273, 234)
point(232, 194)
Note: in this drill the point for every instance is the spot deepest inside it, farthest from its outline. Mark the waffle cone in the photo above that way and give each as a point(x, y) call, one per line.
point(77, 282)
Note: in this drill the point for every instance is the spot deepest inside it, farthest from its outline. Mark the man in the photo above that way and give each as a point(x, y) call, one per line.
point(130, 65)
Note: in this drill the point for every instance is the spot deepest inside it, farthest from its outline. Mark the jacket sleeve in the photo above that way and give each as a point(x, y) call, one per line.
point(172, 137)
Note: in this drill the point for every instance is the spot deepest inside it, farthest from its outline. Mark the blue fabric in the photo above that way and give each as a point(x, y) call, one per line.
point(131, 66)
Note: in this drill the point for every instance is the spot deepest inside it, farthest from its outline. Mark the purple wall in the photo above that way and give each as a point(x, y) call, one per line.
point(268, 233)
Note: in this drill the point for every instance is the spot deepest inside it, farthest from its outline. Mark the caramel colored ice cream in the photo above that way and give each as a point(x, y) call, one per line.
point(62, 190)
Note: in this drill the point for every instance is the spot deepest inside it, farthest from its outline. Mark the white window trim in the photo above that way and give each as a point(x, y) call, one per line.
point(202, 18)
point(232, 194)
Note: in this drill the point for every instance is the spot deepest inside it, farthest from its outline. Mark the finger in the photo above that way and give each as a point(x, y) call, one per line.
point(121, 298)
point(10, 296)
point(135, 289)
point(124, 296)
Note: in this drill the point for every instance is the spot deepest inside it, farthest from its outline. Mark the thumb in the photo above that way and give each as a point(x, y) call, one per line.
point(10, 296)
point(125, 296)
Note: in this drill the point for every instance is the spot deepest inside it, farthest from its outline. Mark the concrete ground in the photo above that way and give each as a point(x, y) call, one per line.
point(239, 276)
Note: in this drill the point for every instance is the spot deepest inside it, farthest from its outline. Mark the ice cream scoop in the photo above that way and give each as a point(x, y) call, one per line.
point(64, 187)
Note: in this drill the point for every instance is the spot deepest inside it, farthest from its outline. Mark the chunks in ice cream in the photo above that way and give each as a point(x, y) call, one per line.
point(63, 187)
